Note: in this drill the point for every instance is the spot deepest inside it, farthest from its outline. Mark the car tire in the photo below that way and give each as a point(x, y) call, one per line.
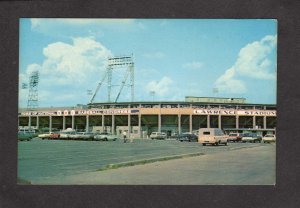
point(225, 144)
point(203, 144)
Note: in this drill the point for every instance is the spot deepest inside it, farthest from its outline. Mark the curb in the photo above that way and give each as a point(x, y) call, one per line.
point(238, 148)
point(152, 160)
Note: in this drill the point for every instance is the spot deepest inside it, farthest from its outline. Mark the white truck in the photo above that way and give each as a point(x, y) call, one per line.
point(213, 136)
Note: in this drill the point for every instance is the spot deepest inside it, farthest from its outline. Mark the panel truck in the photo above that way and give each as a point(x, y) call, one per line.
point(213, 136)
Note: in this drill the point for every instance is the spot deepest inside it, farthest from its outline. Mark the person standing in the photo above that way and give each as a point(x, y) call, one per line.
point(124, 136)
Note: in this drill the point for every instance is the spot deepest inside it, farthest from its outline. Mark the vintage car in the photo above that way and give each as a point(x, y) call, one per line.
point(187, 137)
point(158, 135)
point(106, 137)
point(45, 135)
point(235, 137)
point(26, 134)
point(213, 136)
point(55, 135)
point(268, 138)
point(66, 134)
point(251, 137)
point(82, 136)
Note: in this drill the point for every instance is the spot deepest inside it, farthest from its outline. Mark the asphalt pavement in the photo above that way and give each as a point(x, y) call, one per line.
point(76, 162)
point(245, 166)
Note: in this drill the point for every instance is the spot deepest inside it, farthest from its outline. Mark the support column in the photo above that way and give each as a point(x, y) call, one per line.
point(113, 124)
point(265, 122)
point(179, 123)
point(29, 121)
point(64, 122)
point(50, 123)
point(73, 122)
point(102, 123)
point(140, 125)
point(208, 121)
point(219, 122)
point(159, 122)
point(237, 122)
point(87, 125)
point(37, 122)
point(129, 125)
point(254, 122)
point(191, 122)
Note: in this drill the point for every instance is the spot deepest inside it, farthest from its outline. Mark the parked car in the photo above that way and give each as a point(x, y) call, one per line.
point(55, 135)
point(106, 137)
point(45, 135)
point(269, 138)
point(234, 137)
point(213, 136)
point(158, 135)
point(66, 134)
point(85, 136)
point(251, 137)
point(26, 134)
point(188, 137)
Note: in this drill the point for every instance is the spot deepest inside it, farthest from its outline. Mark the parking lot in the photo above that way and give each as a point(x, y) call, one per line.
point(48, 161)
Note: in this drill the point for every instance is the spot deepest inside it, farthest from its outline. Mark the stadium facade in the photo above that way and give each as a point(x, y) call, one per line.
point(139, 119)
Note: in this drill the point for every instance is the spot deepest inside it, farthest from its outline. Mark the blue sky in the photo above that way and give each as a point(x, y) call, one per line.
point(173, 57)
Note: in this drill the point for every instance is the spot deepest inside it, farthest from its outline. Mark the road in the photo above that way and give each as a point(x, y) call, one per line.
point(75, 162)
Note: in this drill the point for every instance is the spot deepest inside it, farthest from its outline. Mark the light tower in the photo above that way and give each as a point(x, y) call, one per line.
point(113, 63)
point(152, 93)
point(33, 91)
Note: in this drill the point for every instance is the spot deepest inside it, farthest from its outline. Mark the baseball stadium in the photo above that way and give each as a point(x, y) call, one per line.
point(140, 119)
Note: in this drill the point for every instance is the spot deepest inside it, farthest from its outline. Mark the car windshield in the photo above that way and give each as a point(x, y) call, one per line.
point(247, 135)
point(232, 134)
point(269, 135)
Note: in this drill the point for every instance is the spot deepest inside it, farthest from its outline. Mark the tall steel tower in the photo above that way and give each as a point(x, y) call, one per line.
point(113, 63)
point(33, 91)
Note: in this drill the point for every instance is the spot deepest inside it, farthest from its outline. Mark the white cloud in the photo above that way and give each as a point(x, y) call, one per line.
point(70, 66)
point(193, 65)
point(252, 62)
point(69, 62)
point(228, 83)
point(253, 59)
point(156, 55)
point(161, 87)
